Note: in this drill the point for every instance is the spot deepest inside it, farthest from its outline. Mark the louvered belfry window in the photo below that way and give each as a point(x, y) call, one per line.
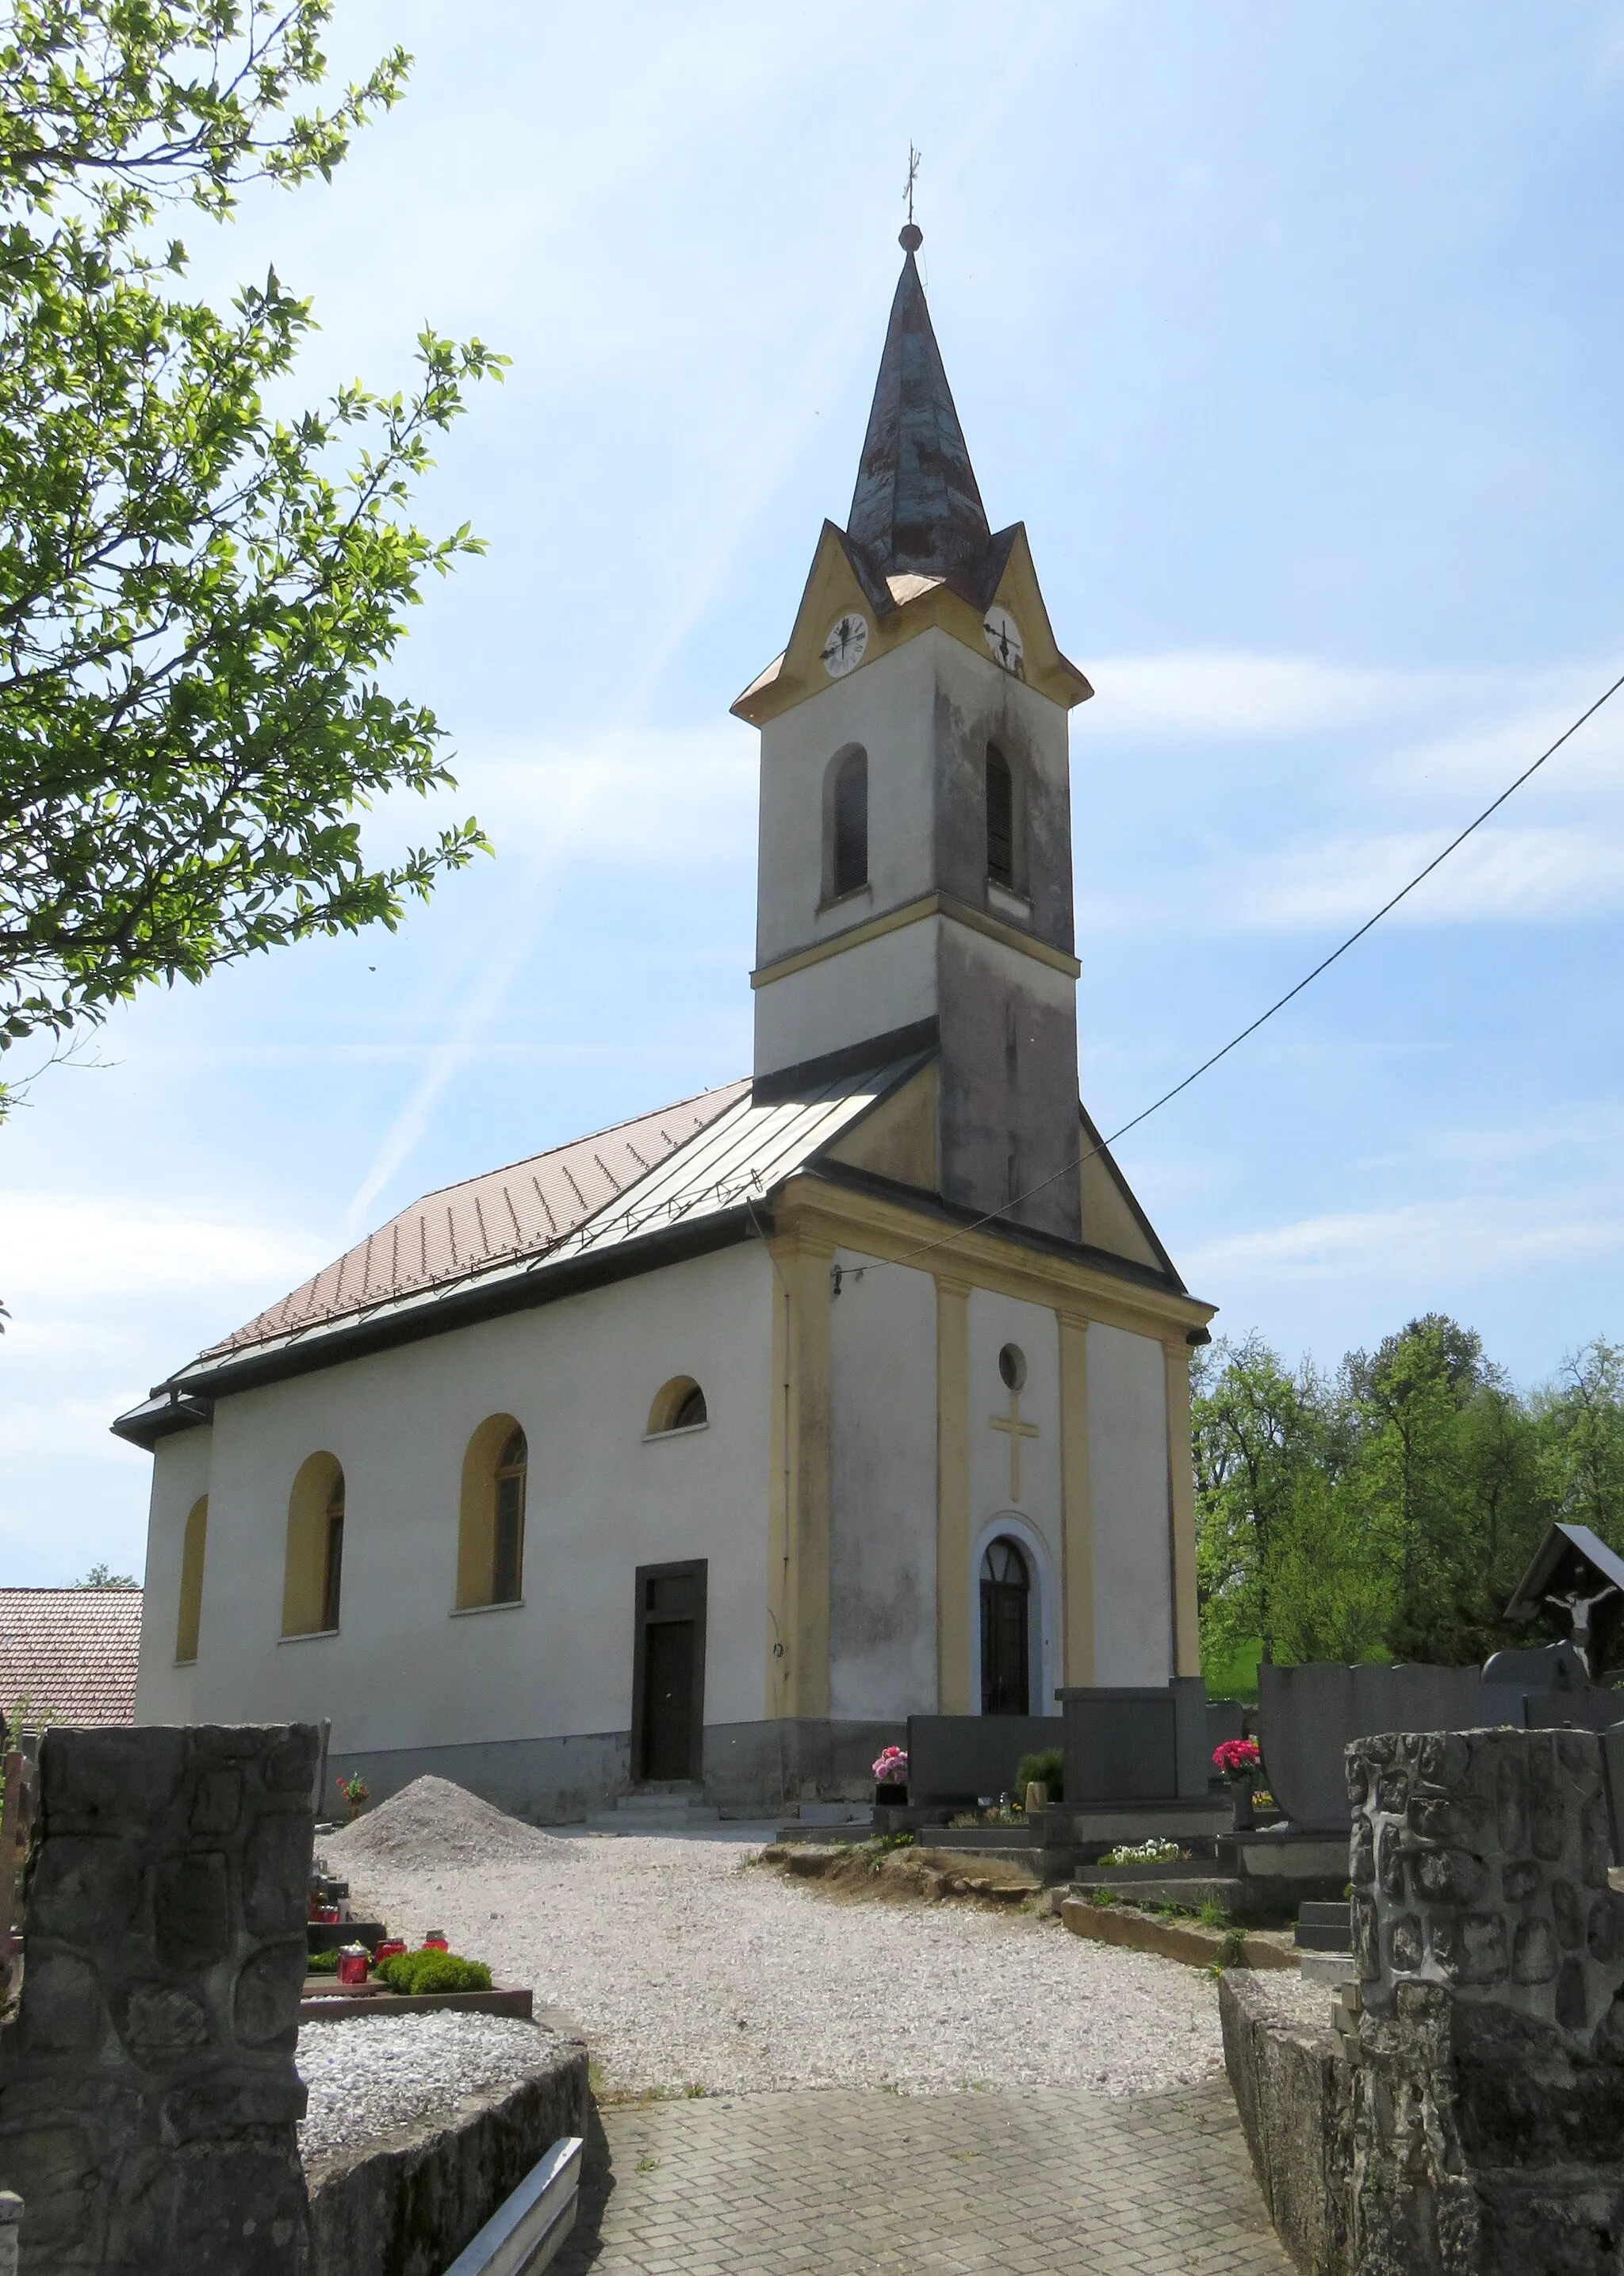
point(1000, 818)
point(851, 823)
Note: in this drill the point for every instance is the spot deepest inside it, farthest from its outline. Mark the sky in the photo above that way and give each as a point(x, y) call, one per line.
point(1294, 336)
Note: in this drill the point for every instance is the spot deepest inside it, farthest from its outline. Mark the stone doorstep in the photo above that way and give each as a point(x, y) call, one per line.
point(1182, 1940)
point(368, 1999)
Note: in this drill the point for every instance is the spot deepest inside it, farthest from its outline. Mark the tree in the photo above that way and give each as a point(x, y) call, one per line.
point(196, 596)
point(1580, 1424)
point(102, 1576)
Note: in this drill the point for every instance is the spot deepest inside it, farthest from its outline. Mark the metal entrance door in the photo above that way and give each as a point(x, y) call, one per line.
point(668, 1707)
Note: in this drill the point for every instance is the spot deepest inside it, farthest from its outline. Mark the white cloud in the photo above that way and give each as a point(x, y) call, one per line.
point(60, 1250)
point(1473, 1237)
point(1227, 693)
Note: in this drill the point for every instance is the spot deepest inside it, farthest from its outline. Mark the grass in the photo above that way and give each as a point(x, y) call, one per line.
point(1234, 1674)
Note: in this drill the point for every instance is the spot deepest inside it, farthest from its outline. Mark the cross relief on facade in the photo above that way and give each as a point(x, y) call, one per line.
point(1017, 1431)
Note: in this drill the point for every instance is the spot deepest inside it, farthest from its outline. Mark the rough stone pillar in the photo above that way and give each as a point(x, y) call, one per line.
point(1486, 2124)
point(1479, 1863)
point(149, 2099)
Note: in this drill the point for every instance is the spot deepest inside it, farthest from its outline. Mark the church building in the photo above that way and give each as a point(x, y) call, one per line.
point(708, 1448)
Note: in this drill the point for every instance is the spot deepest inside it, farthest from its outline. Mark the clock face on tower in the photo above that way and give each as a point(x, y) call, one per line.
point(1004, 637)
point(842, 650)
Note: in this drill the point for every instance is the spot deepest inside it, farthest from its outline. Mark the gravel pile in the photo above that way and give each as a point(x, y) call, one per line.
point(431, 1822)
point(367, 2078)
point(686, 1966)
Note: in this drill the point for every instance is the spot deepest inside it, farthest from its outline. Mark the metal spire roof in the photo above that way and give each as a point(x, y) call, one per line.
point(916, 506)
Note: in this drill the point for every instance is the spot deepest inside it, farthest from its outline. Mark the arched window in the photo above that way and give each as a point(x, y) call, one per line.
point(490, 1535)
point(507, 1573)
point(679, 1405)
point(848, 823)
point(312, 1581)
point(1006, 1606)
point(1000, 818)
point(192, 1582)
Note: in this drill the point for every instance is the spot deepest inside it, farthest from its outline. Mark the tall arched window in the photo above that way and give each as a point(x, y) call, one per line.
point(491, 1534)
point(1000, 818)
point(1006, 1608)
point(192, 1580)
point(848, 824)
point(507, 1565)
point(312, 1583)
point(332, 1553)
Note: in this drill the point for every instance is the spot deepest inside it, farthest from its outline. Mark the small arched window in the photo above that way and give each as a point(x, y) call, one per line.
point(192, 1582)
point(1000, 818)
point(848, 824)
point(679, 1405)
point(1006, 1608)
point(507, 1573)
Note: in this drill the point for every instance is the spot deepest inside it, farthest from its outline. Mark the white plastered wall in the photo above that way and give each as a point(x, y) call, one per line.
point(1129, 1507)
point(1035, 1519)
point(180, 1474)
point(881, 1492)
point(405, 1670)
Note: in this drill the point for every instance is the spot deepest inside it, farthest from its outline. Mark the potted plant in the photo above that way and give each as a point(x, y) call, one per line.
point(890, 1776)
point(357, 1793)
point(1240, 1764)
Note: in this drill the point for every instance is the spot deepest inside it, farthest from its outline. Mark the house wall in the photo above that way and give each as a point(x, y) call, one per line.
point(405, 1670)
point(1130, 1510)
point(881, 1492)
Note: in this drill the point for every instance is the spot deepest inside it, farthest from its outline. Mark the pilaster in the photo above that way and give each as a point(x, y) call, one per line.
point(1077, 1530)
point(953, 1495)
point(1182, 1513)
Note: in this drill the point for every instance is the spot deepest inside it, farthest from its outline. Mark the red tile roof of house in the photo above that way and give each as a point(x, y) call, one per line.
point(524, 1210)
point(73, 1651)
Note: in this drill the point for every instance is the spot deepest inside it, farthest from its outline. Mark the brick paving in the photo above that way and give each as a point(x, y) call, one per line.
point(1032, 2181)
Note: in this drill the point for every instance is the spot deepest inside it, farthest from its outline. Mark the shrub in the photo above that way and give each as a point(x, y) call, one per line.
point(415, 1972)
point(1047, 1767)
point(323, 1963)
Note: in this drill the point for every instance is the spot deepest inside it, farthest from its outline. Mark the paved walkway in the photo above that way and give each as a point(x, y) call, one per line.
point(1036, 2181)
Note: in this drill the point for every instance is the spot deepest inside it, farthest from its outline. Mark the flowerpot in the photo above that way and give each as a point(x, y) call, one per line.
point(894, 1797)
point(1245, 1819)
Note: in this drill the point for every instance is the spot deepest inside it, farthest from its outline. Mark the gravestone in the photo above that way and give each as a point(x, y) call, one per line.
point(148, 2098)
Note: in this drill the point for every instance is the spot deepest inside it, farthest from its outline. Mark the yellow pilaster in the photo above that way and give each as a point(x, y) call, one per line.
point(805, 1688)
point(953, 1495)
point(1077, 1569)
point(1181, 1504)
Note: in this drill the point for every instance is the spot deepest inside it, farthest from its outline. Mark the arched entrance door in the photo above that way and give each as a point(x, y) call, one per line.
point(1005, 1598)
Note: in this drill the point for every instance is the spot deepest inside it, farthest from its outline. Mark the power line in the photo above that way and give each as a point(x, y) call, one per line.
point(1280, 1004)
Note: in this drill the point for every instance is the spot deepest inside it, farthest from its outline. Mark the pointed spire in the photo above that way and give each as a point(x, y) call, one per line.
point(916, 506)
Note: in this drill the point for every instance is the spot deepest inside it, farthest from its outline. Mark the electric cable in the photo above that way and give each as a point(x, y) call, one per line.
point(1324, 965)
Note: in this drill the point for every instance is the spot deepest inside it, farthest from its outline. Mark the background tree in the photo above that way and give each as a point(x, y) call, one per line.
point(196, 597)
point(1580, 1424)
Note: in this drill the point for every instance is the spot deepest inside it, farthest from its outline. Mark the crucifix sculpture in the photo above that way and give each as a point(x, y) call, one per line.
point(1017, 1431)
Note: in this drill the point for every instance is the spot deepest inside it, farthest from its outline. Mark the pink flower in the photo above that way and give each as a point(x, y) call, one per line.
point(892, 1767)
point(1236, 1757)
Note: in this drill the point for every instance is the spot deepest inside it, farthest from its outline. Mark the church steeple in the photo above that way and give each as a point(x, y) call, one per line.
point(916, 507)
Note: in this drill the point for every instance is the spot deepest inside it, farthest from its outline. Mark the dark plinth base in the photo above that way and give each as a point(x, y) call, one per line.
point(332, 1936)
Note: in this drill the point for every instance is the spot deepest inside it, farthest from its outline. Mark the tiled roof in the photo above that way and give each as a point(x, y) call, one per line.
point(520, 1212)
point(73, 1651)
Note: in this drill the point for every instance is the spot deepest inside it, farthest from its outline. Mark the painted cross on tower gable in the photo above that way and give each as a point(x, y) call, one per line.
point(1017, 1431)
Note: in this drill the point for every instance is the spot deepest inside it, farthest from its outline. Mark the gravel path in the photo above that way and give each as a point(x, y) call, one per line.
point(686, 1967)
point(368, 2077)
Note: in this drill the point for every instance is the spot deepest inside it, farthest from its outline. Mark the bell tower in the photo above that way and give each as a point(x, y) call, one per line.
point(914, 880)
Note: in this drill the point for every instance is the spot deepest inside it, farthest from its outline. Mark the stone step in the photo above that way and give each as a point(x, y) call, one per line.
point(1324, 1927)
point(1192, 1890)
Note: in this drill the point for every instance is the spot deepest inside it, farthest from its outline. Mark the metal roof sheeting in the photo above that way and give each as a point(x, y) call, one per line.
point(736, 1151)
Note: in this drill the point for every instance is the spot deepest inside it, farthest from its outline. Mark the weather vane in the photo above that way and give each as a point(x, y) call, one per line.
point(912, 176)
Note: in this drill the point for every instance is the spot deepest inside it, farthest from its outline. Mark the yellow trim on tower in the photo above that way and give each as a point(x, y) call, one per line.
point(928, 905)
point(1076, 1499)
point(953, 1496)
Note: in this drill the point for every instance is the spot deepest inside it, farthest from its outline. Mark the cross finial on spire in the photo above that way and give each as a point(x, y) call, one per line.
point(910, 237)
